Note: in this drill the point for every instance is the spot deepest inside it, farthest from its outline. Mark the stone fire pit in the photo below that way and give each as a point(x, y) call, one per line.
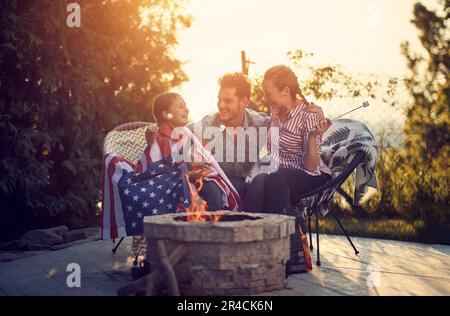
point(244, 253)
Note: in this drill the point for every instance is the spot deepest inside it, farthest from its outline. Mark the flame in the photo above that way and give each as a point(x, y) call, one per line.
point(198, 210)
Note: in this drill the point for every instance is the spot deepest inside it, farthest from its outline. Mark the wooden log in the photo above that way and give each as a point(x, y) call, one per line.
point(153, 278)
point(167, 269)
point(154, 285)
point(184, 273)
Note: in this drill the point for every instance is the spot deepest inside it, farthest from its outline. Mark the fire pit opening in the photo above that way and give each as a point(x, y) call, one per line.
point(223, 218)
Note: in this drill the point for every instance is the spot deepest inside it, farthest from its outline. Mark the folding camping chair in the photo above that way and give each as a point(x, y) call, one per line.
point(320, 198)
point(129, 142)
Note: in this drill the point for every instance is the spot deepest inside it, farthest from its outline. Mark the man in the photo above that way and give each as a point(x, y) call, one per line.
point(235, 118)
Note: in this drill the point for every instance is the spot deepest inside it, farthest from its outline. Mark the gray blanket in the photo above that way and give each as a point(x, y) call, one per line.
point(341, 143)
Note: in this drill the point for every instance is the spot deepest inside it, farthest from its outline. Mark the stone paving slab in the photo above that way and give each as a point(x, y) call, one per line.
point(401, 268)
point(395, 268)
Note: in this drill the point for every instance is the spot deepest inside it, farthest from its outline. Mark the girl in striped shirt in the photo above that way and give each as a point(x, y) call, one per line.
point(295, 147)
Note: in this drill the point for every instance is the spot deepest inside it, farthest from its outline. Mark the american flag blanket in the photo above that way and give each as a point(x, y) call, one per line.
point(156, 184)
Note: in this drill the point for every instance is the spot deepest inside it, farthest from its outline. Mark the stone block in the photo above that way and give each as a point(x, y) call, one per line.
point(43, 237)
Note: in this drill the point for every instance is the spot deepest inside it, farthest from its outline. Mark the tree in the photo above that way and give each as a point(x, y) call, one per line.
point(427, 140)
point(62, 89)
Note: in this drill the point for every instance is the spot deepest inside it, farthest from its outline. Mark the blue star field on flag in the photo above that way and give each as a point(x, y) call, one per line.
point(161, 189)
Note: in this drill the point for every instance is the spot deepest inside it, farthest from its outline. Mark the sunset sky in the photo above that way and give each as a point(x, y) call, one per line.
point(364, 36)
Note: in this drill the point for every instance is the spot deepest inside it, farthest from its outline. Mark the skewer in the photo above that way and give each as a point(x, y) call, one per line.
point(364, 105)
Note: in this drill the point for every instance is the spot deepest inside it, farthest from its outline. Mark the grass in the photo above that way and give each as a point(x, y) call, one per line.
point(394, 229)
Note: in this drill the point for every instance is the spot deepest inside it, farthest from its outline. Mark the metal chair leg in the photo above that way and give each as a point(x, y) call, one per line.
point(318, 263)
point(310, 233)
point(345, 232)
point(118, 244)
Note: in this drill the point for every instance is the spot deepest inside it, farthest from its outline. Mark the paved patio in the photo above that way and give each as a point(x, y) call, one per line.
point(383, 268)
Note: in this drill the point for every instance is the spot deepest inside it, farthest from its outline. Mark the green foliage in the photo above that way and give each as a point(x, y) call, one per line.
point(62, 89)
point(388, 228)
point(427, 129)
point(404, 191)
